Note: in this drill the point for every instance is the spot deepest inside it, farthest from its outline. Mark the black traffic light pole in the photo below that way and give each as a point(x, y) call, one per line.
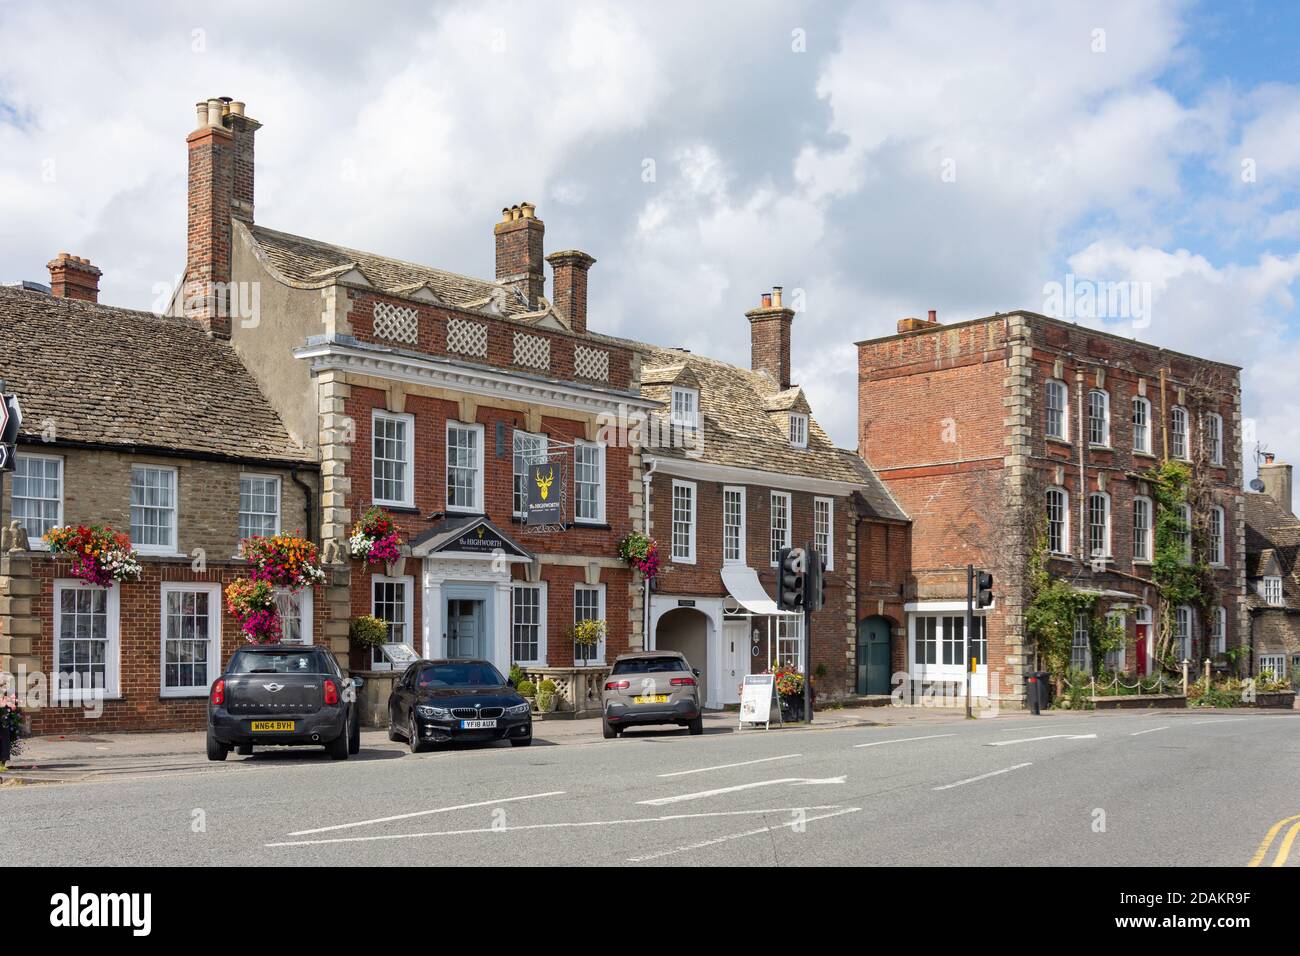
point(970, 622)
point(809, 557)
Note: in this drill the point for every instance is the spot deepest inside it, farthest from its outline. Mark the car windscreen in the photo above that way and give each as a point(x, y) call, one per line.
point(269, 662)
point(459, 674)
point(650, 665)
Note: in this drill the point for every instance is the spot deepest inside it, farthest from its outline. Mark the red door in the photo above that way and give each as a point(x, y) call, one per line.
point(1142, 649)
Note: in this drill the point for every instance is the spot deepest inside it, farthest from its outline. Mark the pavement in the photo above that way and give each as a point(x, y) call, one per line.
point(878, 787)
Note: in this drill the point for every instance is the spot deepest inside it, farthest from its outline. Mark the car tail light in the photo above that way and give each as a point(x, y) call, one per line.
point(617, 685)
point(219, 692)
point(331, 692)
point(683, 682)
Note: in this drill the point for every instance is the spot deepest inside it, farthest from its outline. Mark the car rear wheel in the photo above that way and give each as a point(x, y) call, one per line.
point(338, 747)
point(354, 734)
point(413, 735)
point(608, 729)
point(244, 750)
point(696, 726)
point(216, 749)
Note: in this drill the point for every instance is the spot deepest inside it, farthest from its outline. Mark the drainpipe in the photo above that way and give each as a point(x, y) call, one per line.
point(647, 471)
point(1084, 556)
point(308, 506)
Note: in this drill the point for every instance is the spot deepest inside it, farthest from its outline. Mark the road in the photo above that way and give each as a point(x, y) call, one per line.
point(1149, 788)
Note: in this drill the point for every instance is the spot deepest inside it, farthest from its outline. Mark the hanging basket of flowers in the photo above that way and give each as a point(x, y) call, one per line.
point(641, 552)
point(789, 682)
point(252, 603)
point(99, 554)
point(374, 538)
point(283, 560)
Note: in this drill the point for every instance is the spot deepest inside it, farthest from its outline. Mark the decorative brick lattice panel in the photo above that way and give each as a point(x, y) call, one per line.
point(591, 363)
point(397, 323)
point(532, 351)
point(467, 338)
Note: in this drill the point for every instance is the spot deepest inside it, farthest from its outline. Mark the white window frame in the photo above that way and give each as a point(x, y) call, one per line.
point(279, 502)
point(1266, 663)
point(829, 551)
point(1219, 639)
point(686, 418)
point(540, 588)
point(112, 638)
point(598, 657)
point(1104, 498)
point(689, 489)
point(1146, 531)
point(1178, 415)
point(213, 591)
point(1187, 535)
point(1115, 659)
point(1102, 426)
point(1141, 429)
point(741, 551)
point(1081, 642)
point(784, 541)
point(1212, 433)
point(407, 500)
point(475, 507)
point(306, 613)
point(798, 430)
point(539, 450)
point(378, 662)
point(1184, 631)
point(170, 547)
point(1053, 386)
point(1270, 589)
point(1218, 546)
point(35, 541)
point(1065, 519)
point(599, 517)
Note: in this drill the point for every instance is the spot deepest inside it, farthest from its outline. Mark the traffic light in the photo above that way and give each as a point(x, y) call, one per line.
point(983, 589)
point(815, 581)
point(791, 569)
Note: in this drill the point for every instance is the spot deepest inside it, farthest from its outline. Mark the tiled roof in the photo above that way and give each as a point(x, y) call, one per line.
point(739, 429)
point(312, 262)
point(121, 377)
point(1272, 538)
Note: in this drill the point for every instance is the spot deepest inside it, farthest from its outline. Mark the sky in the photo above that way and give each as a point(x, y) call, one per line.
point(876, 159)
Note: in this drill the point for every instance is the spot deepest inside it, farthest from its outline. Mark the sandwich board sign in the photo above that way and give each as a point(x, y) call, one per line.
point(756, 700)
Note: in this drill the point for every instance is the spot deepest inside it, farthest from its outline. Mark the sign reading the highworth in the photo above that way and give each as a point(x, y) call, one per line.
point(543, 495)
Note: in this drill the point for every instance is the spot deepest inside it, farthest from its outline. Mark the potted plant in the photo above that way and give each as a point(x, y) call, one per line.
point(789, 686)
point(99, 554)
point(283, 560)
point(375, 540)
point(641, 552)
point(587, 635)
point(11, 725)
point(368, 632)
point(252, 604)
point(528, 691)
point(547, 697)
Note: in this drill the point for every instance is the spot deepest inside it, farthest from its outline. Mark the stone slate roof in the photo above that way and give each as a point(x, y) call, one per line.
point(741, 430)
point(1272, 540)
point(115, 376)
point(313, 263)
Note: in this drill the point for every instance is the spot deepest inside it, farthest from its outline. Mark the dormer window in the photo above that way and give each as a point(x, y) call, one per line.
point(799, 431)
point(1272, 590)
point(686, 407)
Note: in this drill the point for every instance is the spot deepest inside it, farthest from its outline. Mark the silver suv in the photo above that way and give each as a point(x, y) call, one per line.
point(651, 687)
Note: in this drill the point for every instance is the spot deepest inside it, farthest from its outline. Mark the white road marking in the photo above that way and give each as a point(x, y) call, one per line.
point(739, 836)
point(668, 818)
point(425, 813)
point(1218, 720)
point(1030, 740)
point(902, 740)
point(701, 794)
point(1139, 733)
point(983, 776)
point(727, 766)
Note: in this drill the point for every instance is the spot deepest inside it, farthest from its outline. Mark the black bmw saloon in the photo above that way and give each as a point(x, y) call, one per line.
point(438, 702)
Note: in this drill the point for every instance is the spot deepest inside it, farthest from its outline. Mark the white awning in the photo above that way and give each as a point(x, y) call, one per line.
point(743, 585)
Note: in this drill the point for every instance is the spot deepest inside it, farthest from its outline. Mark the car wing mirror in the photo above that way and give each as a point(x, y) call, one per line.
point(695, 671)
point(510, 681)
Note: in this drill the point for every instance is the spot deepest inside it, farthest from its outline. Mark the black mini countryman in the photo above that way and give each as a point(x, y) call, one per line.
point(283, 695)
point(441, 701)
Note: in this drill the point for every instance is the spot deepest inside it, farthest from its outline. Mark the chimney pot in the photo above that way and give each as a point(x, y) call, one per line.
point(237, 108)
point(776, 297)
point(214, 112)
point(933, 317)
point(766, 300)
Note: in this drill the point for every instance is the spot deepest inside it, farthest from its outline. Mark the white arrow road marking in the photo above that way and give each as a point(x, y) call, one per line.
point(1030, 740)
point(727, 766)
point(667, 818)
point(425, 813)
point(983, 776)
point(1139, 733)
point(740, 836)
point(701, 794)
point(902, 740)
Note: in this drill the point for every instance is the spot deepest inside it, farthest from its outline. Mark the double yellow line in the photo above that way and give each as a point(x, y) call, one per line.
point(1284, 849)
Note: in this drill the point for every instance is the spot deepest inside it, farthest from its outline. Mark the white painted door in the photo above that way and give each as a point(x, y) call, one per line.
point(734, 659)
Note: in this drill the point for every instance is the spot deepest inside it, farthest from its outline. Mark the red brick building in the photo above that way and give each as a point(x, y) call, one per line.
point(989, 429)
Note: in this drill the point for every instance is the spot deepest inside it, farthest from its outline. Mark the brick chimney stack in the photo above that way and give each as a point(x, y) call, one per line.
point(1276, 476)
point(769, 337)
point(220, 189)
point(72, 277)
point(570, 298)
point(520, 266)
